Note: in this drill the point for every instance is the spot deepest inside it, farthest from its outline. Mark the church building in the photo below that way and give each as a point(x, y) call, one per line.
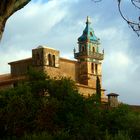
point(84, 70)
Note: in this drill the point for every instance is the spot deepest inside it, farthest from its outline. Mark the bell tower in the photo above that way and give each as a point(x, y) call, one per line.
point(89, 57)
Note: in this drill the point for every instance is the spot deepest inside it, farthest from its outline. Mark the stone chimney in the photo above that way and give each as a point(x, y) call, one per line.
point(113, 99)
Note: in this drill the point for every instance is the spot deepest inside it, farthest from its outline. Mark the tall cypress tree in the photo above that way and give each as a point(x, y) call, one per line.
point(98, 89)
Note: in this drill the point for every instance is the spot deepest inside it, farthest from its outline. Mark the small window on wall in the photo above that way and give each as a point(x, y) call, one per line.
point(37, 56)
point(92, 67)
point(96, 69)
point(83, 49)
point(53, 60)
point(93, 49)
point(37, 59)
point(49, 60)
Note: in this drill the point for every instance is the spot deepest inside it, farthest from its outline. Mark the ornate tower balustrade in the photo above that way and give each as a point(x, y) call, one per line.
point(95, 55)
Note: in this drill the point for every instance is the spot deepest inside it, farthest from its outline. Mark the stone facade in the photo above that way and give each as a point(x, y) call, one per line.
point(20, 67)
point(84, 70)
point(113, 99)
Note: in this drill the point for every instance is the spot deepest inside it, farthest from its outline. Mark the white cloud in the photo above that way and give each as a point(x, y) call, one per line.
point(6, 57)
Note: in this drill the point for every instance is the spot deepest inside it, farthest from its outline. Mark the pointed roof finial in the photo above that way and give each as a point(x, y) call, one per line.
point(88, 20)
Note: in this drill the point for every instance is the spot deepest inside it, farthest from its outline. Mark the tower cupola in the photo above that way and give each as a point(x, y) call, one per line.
point(88, 33)
point(88, 44)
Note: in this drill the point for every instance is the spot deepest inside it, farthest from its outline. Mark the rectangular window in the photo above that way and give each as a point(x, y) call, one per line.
point(96, 69)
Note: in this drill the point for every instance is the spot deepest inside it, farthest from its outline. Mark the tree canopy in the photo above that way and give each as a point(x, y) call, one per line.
point(45, 108)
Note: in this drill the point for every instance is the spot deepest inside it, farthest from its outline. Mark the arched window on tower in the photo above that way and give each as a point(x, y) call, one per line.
point(96, 68)
point(83, 48)
point(37, 58)
point(93, 49)
point(92, 67)
point(53, 60)
point(50, 59)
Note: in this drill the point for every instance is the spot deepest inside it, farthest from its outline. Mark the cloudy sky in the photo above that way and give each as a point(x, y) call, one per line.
point(58, 24)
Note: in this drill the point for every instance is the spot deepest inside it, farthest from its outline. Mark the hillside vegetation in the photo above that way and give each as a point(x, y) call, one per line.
point(49, 109)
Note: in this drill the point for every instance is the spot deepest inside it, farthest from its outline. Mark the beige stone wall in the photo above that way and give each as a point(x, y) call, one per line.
point(80, 72)
point(5, 81)
point(92, 74)
point(113, 101)
point(85, 90)
point(88, 71)
point(44, 56)
point(20, 67)
point(88, 91)
point(93, 71)
point(92, 80)
point(37, 57)
point(100, 69)
point(53, 72)
point(61, 68)
point(8, 81)
point(52, 52)
point(67, 68)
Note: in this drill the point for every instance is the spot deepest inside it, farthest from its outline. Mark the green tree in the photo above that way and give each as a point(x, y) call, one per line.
point(98, 89)
point(60, 112)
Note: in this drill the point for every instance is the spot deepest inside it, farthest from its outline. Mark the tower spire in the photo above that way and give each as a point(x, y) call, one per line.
point(88, 20)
